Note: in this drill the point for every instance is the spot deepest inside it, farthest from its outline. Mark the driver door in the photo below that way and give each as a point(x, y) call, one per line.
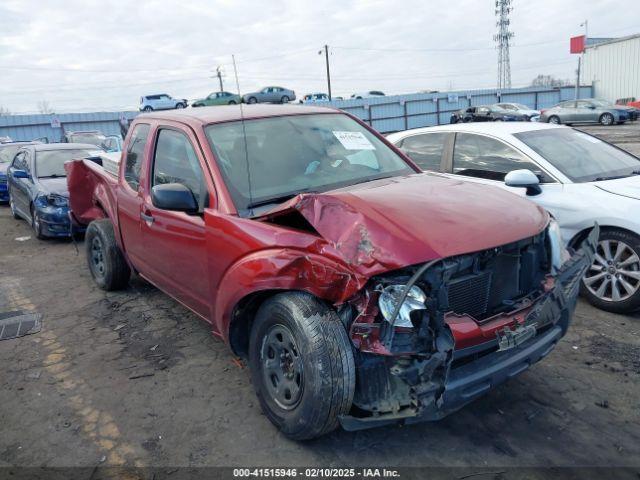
point(20, 187)
point(175, 255)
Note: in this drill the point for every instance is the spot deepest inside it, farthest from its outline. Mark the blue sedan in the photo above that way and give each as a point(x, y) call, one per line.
point(8, 150)
point(37, 186)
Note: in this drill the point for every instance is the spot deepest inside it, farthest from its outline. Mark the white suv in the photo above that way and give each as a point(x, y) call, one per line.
point(161, 101)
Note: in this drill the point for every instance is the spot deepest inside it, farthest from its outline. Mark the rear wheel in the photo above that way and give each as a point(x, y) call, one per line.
point(302, 365)
point(108, 267)
point(612, 282)
point(554, 119)
point(606, 119)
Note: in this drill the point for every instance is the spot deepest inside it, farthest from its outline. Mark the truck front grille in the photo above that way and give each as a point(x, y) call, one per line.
point(470, 294)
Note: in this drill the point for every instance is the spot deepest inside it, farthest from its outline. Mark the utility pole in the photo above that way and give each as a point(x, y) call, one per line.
point(219, 75)
point(584, 24)
point(502, 38)
point(326, 57)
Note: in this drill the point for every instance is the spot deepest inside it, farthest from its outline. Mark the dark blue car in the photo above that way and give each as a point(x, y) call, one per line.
point(38, 186)
point(7, 152)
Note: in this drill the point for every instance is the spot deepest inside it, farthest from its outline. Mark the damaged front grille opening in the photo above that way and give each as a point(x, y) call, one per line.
point(410, 380)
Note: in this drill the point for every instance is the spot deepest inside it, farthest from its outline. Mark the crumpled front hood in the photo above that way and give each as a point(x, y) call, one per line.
point(54, 185)
point(391, 223)
point(627, 187)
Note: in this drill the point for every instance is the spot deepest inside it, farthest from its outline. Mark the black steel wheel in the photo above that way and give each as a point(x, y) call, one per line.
point(302, 365)
point(107, 265)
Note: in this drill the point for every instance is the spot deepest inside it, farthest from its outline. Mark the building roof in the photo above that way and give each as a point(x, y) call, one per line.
point(229, 113)
point(39, 147)
point(613, 40)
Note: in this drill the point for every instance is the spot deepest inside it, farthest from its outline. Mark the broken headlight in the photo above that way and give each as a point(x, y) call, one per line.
point(559, 253)
point(389, 300)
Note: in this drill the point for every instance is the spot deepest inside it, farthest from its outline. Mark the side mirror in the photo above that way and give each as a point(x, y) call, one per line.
point(591, 107)
point(20, 174)
point(523, 179)
point(174, 196)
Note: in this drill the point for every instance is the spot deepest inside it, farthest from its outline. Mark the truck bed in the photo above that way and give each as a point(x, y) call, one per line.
point(92, 191)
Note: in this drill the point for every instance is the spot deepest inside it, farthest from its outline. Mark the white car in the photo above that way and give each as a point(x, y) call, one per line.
point(369, 94)
point(579, 178)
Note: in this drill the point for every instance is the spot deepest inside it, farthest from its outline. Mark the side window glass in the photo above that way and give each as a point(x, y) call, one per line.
point(18, 161)
point(426, 150)
point(176, 162)
point(135, 154)
point(484, 157)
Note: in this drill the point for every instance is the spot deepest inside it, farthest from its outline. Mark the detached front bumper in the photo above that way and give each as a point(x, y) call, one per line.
point(4, 191)
point(475, 370)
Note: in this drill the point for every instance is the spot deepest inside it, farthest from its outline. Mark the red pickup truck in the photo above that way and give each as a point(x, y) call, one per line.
point(361, 291)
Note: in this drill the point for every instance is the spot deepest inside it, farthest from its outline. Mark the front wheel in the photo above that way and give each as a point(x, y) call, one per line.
point(554, 119)
point(36, 224)
point(252, 100)
point(108, 267)
point(606, 119)
point(147, 109)
point(302, 365)
point(612, 283)
point(180, 105)
point(232, 102)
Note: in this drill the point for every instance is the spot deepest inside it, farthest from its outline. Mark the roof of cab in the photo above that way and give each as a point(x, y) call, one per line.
point(230, 113)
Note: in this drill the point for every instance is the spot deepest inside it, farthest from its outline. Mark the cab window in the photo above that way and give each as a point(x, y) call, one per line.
point(485, 157)
point(175, 161)
point(135, 154)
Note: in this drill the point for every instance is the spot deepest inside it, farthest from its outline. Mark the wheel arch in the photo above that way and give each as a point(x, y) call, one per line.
point(579, 237)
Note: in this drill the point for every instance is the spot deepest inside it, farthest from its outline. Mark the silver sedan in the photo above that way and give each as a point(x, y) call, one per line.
point(588, 110)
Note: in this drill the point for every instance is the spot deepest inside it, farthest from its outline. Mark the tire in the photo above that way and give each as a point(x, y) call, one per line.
point(12, 206)
point(606, 119)
point(498, 120)
point(252, 100)
point(284, 99)
point(147, 109)
point(195, 105)
point(232, 102)
point(554, 119)
point(617, 273)
point(36, 225)
point(180, 105)
point(106, 262)
point(307, 337)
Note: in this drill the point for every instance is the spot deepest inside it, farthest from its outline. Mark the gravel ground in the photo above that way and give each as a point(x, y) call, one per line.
point(133, 378)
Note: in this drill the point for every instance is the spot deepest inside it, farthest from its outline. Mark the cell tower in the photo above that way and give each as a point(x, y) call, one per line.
point(503, 8)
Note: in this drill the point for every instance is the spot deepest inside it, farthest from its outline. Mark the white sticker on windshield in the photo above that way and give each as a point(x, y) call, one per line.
point(354, 141)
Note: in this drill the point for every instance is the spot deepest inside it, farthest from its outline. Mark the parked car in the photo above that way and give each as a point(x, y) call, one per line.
point(575, 176)
point(369, 94)
point(8, 150)
point(520, 108)
point(487, 113)
point(588, 110)
point(111, 143)
point(362, 292)
point(270, 95)
point(161, 101)
point(217, 98)
point(315, 98)
point(38, 187)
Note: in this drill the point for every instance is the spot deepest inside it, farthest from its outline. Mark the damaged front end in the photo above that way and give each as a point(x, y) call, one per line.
point(430, 338)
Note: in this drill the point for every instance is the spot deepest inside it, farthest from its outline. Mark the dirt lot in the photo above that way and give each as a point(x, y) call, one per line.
point(134, 378)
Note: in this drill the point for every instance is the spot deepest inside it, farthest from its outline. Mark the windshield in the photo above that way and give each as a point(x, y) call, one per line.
point(579, 156)
point(50, 163)
point(8, 152)
point(288, 155)
point(91, 138)
point(520, 106)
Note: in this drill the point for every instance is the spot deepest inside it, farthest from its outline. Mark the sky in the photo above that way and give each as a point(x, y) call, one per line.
point(89, 55)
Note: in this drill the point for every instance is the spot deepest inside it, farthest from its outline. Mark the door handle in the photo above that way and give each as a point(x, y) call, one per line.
point(146, 218)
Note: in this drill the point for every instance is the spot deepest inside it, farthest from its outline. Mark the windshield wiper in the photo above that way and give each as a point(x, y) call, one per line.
point(279, 199)
point(615, 177)
point(53, 175)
